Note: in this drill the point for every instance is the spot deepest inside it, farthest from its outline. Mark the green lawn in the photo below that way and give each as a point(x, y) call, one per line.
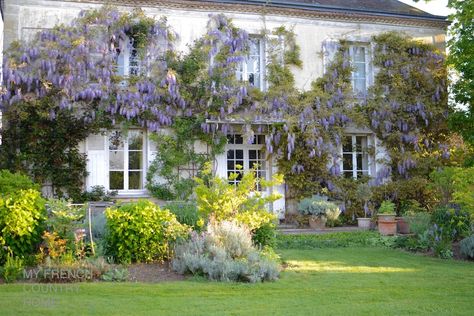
point(347, 281)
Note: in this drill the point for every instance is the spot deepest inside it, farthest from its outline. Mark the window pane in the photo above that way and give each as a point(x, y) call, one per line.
point(239, 164)
point(252, 154)
point(347, 162)
point(239, 154)
point(116, 180)
point(230, 154)
point(359, 85)
point(116, 160)
point(359, 71)
point(359, 54)
point(135, 159)
point(134, 180)
point(238, 139)
point(230, 139)
point(260, 139)
point(135, 140)
point(359, 162)
point(115, 141)
point(347, 145)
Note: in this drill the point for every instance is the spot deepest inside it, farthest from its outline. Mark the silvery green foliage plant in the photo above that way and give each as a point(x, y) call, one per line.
point(319, 206)
point(467, 247)
point(225, 253)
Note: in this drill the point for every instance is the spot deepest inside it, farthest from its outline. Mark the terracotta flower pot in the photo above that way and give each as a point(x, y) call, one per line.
point(386, 217)
point(387, 228)
point(402, 225)
point(363, 222)
point(317, 222)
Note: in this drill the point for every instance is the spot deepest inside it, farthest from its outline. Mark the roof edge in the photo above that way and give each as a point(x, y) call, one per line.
point(259, 7)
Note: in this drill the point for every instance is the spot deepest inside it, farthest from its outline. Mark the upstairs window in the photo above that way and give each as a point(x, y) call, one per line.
point(252, 69)
point(359, 61)
point(242, 157)
point(128, 63)
point(355, 158)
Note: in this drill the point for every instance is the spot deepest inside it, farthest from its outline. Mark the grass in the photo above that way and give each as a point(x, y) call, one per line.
point(351, 281)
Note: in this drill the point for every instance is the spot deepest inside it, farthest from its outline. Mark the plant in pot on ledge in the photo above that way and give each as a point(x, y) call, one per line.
point(319, 210)
point(386, 218)
point(364, 194)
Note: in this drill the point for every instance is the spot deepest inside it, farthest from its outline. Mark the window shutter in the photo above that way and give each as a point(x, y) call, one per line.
point(279, 205)
point(220, 165)
point(329, 50)
point(97, 164)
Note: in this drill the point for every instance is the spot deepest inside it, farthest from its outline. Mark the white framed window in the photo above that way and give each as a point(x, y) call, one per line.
point(355, 156)
point(253, 68)
point(128, 63)
point(359, 55)
point(126, 157)
point(241, 157)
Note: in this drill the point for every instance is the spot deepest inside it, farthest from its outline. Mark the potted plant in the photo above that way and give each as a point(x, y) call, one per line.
point(364, 194)
point(319, 210)
point(386, 218)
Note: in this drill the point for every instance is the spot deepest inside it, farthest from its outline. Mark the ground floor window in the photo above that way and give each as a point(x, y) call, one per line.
point(118, 160)
point(243, 156)
point(126, 160)
point(355, 157)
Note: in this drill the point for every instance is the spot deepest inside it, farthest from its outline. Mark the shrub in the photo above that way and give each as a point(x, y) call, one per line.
point(387, 207)
point(261, 224)
point(440, 242)
point(454, 223)
point(225, 253)
point(467, 247)
point(13, 182)
point(12, 270)
point(97, 193)
point(63, 218)
point(115, 275)
point(185, 212)
point(142, 232)
point(319, 206)
point(218, 199)
point(419, 222)
point(455, 185)
point(22, 215)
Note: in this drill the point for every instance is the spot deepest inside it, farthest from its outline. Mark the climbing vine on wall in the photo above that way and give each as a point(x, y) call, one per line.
point(68, 76)
point(407, 106)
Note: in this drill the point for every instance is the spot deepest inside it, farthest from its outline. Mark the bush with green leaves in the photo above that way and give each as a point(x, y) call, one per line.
point(116, 275)
point(319, 206)
point(12, 270)
point(13, 182)
point(219, 200)
point(225, 253)
point(455, 185)
point(454, 223)
point(63, 218)
point(185, 212)
point(467, 247)
point(22, 215)
point(142, 232)
point(97, 193)
point(387, 207)
point(419, 222)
